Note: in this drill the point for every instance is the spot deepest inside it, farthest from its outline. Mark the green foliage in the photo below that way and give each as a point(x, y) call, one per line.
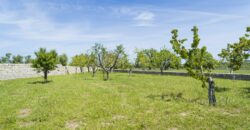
point(18, 59)
point(15, 59)
point(27, 59)
point(124, 63)
point(197, 60)
point(45, 61)
point(235, 54)
point(141, 60)
point(63, 59)
point(151, 58)
point(78, 60)
point(6, 58)
point(91, 59)
point(166, 59)
point(108, 60)
point(146, 58)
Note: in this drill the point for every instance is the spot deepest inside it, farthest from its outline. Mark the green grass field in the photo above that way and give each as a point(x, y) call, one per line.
point(136, 102)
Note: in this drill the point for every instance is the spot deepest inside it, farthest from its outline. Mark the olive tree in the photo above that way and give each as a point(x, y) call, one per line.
point(197, 61)
point(45, 61)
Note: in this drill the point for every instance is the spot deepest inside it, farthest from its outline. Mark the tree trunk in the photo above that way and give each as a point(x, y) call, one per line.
point(110, 70)
point(45, 76)
point(107, 75)
point(161, 71)
point(66, 70)
point(93, 72)
point(88, 69)
point(211, 92)
point(103, 74)
point(81, 69)
point(129, 73)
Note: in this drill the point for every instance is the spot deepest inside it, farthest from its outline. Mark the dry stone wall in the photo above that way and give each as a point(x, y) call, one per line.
point(215, 75)
point(14, 71)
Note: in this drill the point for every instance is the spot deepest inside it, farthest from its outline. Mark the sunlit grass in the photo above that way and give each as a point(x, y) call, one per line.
point(135, 102)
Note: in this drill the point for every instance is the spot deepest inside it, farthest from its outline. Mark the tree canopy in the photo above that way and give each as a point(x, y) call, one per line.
point(107, 60)
point(197, 60)
point(45, 61)
point(235, 54)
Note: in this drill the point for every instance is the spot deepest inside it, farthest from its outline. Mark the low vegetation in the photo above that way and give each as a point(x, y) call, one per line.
point(136, 102)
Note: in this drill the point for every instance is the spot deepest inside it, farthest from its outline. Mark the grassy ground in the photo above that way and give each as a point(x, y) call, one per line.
point(136, 102)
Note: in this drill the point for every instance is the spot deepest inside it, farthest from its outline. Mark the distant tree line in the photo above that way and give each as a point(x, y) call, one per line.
point(15, 59)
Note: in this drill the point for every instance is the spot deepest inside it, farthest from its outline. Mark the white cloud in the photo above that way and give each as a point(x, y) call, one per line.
point(144, 19)
point(145, 16)
point(34, 24)
point(140, 16)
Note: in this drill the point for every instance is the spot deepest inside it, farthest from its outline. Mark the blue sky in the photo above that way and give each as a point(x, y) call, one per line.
point(73, 26)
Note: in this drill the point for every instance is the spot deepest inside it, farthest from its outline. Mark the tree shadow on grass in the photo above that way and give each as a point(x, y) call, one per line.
point(175, 97)
point(40, 82)
point(246, 91)
point(166, 96)
point(221, 89)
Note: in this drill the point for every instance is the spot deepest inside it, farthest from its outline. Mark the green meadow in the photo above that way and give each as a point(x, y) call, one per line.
point(124, 102)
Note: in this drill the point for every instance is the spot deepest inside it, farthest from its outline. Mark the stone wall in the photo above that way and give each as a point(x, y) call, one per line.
point(14, 71)
point(215, 75)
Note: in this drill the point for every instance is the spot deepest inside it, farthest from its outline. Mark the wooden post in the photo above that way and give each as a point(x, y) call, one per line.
point(211, 92)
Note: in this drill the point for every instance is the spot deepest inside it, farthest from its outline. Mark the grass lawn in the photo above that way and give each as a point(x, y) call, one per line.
point(136, 102)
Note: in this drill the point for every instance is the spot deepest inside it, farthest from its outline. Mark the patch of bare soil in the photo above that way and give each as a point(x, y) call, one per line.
point(118, 117)
point(26, 124)
point(184, 114)
point(173, 129)
point(24, 113)
point(72, 125)
point(106, 124)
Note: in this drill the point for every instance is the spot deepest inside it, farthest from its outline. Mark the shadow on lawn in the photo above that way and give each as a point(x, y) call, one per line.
point(40, 82)
point(223, 89)
point(175, 97)
point(166, 96)
point(246, 91)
